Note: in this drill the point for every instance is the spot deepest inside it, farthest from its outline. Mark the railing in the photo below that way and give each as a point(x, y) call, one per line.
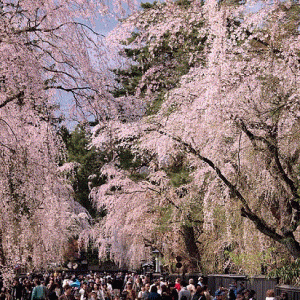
point(293, 292)
point(260, 284)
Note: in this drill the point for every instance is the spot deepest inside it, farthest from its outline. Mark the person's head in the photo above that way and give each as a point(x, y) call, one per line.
point(252, 293)
point(183, 284)
point(77, 295)
point(164, 289)
point(93, 296)
point(15, 282)
point(240, 296)
point(199, 290)
point(246, 293)
point(129, 285)
point(283, 296)
point(231, 294)
point(147, 286)
point(37, 281)
point(153, 289)
point(270, 293)
point(191, 281)
point(219, 294)
point(84, 285)
point(138, 280)
point(67, 289)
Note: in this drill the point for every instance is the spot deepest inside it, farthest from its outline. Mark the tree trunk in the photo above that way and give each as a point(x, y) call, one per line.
point(290, 243)
point(191, 246)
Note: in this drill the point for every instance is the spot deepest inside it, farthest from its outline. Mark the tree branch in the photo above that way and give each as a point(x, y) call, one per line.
point(12, 98)
point(260, 224)
point(274, 151)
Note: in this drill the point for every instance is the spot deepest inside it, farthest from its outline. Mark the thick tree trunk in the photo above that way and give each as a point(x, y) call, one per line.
point(191, 246)
point(287, 238)
point(291, 244)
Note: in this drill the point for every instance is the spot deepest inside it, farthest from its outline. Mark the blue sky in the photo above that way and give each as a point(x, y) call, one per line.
point(103, 26)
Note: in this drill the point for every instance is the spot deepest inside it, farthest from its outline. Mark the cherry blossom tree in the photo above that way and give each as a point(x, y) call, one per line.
point(46, 47)
point(236, 117)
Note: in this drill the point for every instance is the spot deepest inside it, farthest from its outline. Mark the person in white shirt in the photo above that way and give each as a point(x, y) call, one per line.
point(191, 287)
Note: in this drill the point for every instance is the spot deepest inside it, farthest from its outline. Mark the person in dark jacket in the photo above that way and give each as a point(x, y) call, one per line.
point(16, 290)
point(199, 295)
point(154, 295)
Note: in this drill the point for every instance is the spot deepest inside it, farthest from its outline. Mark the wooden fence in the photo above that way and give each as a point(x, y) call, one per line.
point(260, 284)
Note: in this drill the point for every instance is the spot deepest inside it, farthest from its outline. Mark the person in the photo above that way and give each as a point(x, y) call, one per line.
point(146, 293)
point(137, 285)
point(220, 294)
point(173, 293)
point(246, 294)
point(283, 296)
point(241, 288)
point(200, 281)
point(16, 290)
point(57, 289)
point(270, 295)
point(154, 295)
point(231, 294)
point(191, 287)
point(106, 292)
point(199, 294)
point(117, 285)
point(39, 291)
point(66, 281)
point(162, 281)
point(165, 293)
point(252, 295)
point(51, 293)
point(93, 295)
point(206, 293)
point(240, 296)
point(178, 284)
point(67, 295)
point(184, 292)
point(83, 291)
point(8, 294)
point(141, 292)
point(129, 293)
point(2, 293)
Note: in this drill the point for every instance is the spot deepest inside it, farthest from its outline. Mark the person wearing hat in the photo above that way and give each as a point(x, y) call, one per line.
point(200, 281)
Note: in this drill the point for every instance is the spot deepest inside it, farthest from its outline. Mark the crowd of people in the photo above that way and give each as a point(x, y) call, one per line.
point(60, 286)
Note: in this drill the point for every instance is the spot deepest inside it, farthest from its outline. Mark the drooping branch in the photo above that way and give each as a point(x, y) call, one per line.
point(260, 224)
point(274, 151)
